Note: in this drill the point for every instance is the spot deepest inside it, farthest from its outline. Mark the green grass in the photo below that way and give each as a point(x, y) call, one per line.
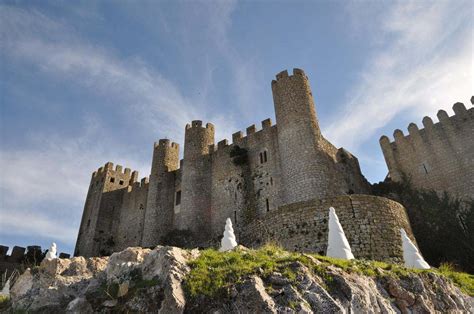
point(4, 302)
point(464, 281)
point(213, 273)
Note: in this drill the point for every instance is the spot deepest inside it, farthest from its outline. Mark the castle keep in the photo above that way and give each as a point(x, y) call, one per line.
point(286, 173)
point(439, 156)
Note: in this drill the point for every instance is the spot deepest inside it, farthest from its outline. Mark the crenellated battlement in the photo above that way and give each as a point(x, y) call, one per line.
point(143, 183)
point(165, 143)
point(283, 75)
point(198, 124)
point(461, 113)
point(280, 163)
point(438, 156)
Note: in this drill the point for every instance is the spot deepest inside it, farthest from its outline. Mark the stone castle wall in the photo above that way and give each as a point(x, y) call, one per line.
point(371, 224)
point(246, 180)
point(21, 258)
point(439, 156)
point(159, 216)
point(132, 215)
point(111, 194)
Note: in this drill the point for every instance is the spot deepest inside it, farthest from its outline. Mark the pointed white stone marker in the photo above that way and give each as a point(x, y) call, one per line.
point(6, 289)
point(228, 242)
point(51, 252)
point(411, 255)
point(338, 246)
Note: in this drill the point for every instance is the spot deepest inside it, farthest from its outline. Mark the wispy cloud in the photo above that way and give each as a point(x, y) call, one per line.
point(58, 51)
point(421, 62)
point(47, 179)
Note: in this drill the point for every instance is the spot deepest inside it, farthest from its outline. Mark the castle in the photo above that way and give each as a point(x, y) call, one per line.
point(276, 183)
point(439, 156)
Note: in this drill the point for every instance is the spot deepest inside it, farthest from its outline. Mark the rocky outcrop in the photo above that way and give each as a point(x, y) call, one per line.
point(144, 280)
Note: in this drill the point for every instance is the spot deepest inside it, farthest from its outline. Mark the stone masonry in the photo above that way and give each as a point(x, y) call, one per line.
point(439, 156)
point(280, 167)
point(371, 224)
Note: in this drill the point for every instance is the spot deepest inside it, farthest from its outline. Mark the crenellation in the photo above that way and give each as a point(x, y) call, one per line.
point(237, 137)
point(442, 116)
point(459, 109)
point(297, 71)
point(251, 129)
point(267, 123)
point(399, 136)
point(134, 176)
point(118, 168)
point(413, 129)
point(427, 122)
point(282, 74)
point(437, 157)
point(223, 143)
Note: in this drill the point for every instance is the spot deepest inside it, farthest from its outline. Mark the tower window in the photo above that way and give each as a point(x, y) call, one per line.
point(271, 180)
point(112, 180)
point(263, 157)
point(178, 198)
point(121, 182)
point(88, 223)
point(268, 204)
point(235, 217)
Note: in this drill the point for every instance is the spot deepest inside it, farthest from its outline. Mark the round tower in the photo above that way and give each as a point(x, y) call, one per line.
point(160, 199)
point(196, 178)
point(305, 167)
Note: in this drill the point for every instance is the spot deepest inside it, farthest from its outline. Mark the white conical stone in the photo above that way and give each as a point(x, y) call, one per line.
point(51, 252)
point(411, 255)
point(228, 242)
point(6, 289)
point(338, 246)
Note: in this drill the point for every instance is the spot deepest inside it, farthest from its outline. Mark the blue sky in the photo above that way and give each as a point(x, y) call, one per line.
point(93, 81)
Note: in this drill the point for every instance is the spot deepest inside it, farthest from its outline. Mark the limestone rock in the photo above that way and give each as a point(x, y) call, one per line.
point(144, 280)
point(79, 306)
point(253, 298)
point(22, 285)
point(121, 263)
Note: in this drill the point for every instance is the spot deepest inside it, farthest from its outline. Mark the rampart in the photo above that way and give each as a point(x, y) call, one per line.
point(245, 180)
point(439, 156)
point(371, 224)
point(21, 257)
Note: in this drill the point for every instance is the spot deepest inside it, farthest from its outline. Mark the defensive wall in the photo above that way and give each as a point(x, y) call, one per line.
point(439, 156)
point(371, 224)
point(114, 195)
point(258, 172)
point(21, 257)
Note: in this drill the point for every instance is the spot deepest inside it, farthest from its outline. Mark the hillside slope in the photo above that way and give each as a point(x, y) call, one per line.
point(269, 280)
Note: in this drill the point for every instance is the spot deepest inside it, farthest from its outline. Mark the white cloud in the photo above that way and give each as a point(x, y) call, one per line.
point(51, 173)
point(421, 62)
point(44, 228)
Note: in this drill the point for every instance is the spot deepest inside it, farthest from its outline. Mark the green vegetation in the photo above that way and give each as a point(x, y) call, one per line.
point(213, 273)
point(464, 281)
point(239, 155)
